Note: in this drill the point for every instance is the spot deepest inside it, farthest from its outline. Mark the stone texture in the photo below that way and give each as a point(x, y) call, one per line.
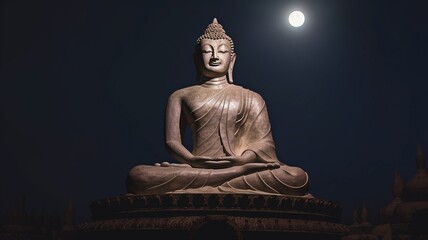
point(197, 216)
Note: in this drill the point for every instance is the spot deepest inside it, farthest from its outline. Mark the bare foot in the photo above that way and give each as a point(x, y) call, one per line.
point(167, 164)
point(259, 166)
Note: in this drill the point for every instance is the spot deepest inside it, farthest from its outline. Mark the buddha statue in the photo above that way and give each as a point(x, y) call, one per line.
point(233, 149)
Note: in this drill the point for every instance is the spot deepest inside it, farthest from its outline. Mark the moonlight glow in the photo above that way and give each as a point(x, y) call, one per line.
point(296, 19)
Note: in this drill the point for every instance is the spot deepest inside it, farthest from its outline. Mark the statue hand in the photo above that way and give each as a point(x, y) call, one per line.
point(246, 157)
point(208, 162)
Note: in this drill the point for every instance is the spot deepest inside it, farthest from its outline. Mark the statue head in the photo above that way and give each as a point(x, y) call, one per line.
point(214, 53)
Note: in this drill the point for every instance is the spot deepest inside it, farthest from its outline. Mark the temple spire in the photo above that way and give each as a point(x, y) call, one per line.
point(355, 217)
point(364, 215)
point(68, 217)
point(397, 188)
point(420, 161)
point(20, 214)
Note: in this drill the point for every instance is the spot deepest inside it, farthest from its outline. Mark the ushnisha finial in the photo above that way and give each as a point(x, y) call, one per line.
point(215, 31)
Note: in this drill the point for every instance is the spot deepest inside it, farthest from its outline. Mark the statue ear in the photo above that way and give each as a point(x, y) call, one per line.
point(230, 70)
point(197, 62)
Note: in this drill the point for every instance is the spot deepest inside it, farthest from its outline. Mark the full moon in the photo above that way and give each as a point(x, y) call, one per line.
point(296, 19)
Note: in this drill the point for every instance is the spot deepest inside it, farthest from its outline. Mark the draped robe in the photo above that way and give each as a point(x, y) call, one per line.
point(229, 122)
point(224, 122)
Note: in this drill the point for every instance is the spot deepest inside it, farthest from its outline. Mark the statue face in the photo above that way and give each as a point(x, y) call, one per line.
point(216, 57)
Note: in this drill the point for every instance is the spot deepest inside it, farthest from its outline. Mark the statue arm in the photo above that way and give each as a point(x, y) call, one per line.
point(175, 125)
point(173, 129)
point(256, 142)
point(260, 140)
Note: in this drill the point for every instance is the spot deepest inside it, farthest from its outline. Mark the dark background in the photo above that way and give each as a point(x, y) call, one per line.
point(84, 84)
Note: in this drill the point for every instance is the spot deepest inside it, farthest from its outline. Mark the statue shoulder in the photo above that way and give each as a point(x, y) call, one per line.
point(253, 94)
point(183, 92)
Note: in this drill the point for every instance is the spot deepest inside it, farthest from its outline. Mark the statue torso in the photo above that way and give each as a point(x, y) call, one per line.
point(205, 110)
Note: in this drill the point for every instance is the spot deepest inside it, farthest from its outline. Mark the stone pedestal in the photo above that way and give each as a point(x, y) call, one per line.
point(213, 216)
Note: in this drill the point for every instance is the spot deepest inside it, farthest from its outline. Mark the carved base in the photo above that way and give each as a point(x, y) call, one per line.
point(213, 216)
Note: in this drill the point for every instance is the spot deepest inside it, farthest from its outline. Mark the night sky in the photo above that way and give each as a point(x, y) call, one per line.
point(84, 84)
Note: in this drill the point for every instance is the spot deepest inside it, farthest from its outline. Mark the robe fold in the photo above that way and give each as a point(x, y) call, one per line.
point(231, 122)
point(224, 122)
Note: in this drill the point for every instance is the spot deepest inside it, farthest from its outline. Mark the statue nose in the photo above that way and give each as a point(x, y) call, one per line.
point(214, 56)
point(214, 59)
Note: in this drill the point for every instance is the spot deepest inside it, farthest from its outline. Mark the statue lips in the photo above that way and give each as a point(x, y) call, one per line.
point(214, 63)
